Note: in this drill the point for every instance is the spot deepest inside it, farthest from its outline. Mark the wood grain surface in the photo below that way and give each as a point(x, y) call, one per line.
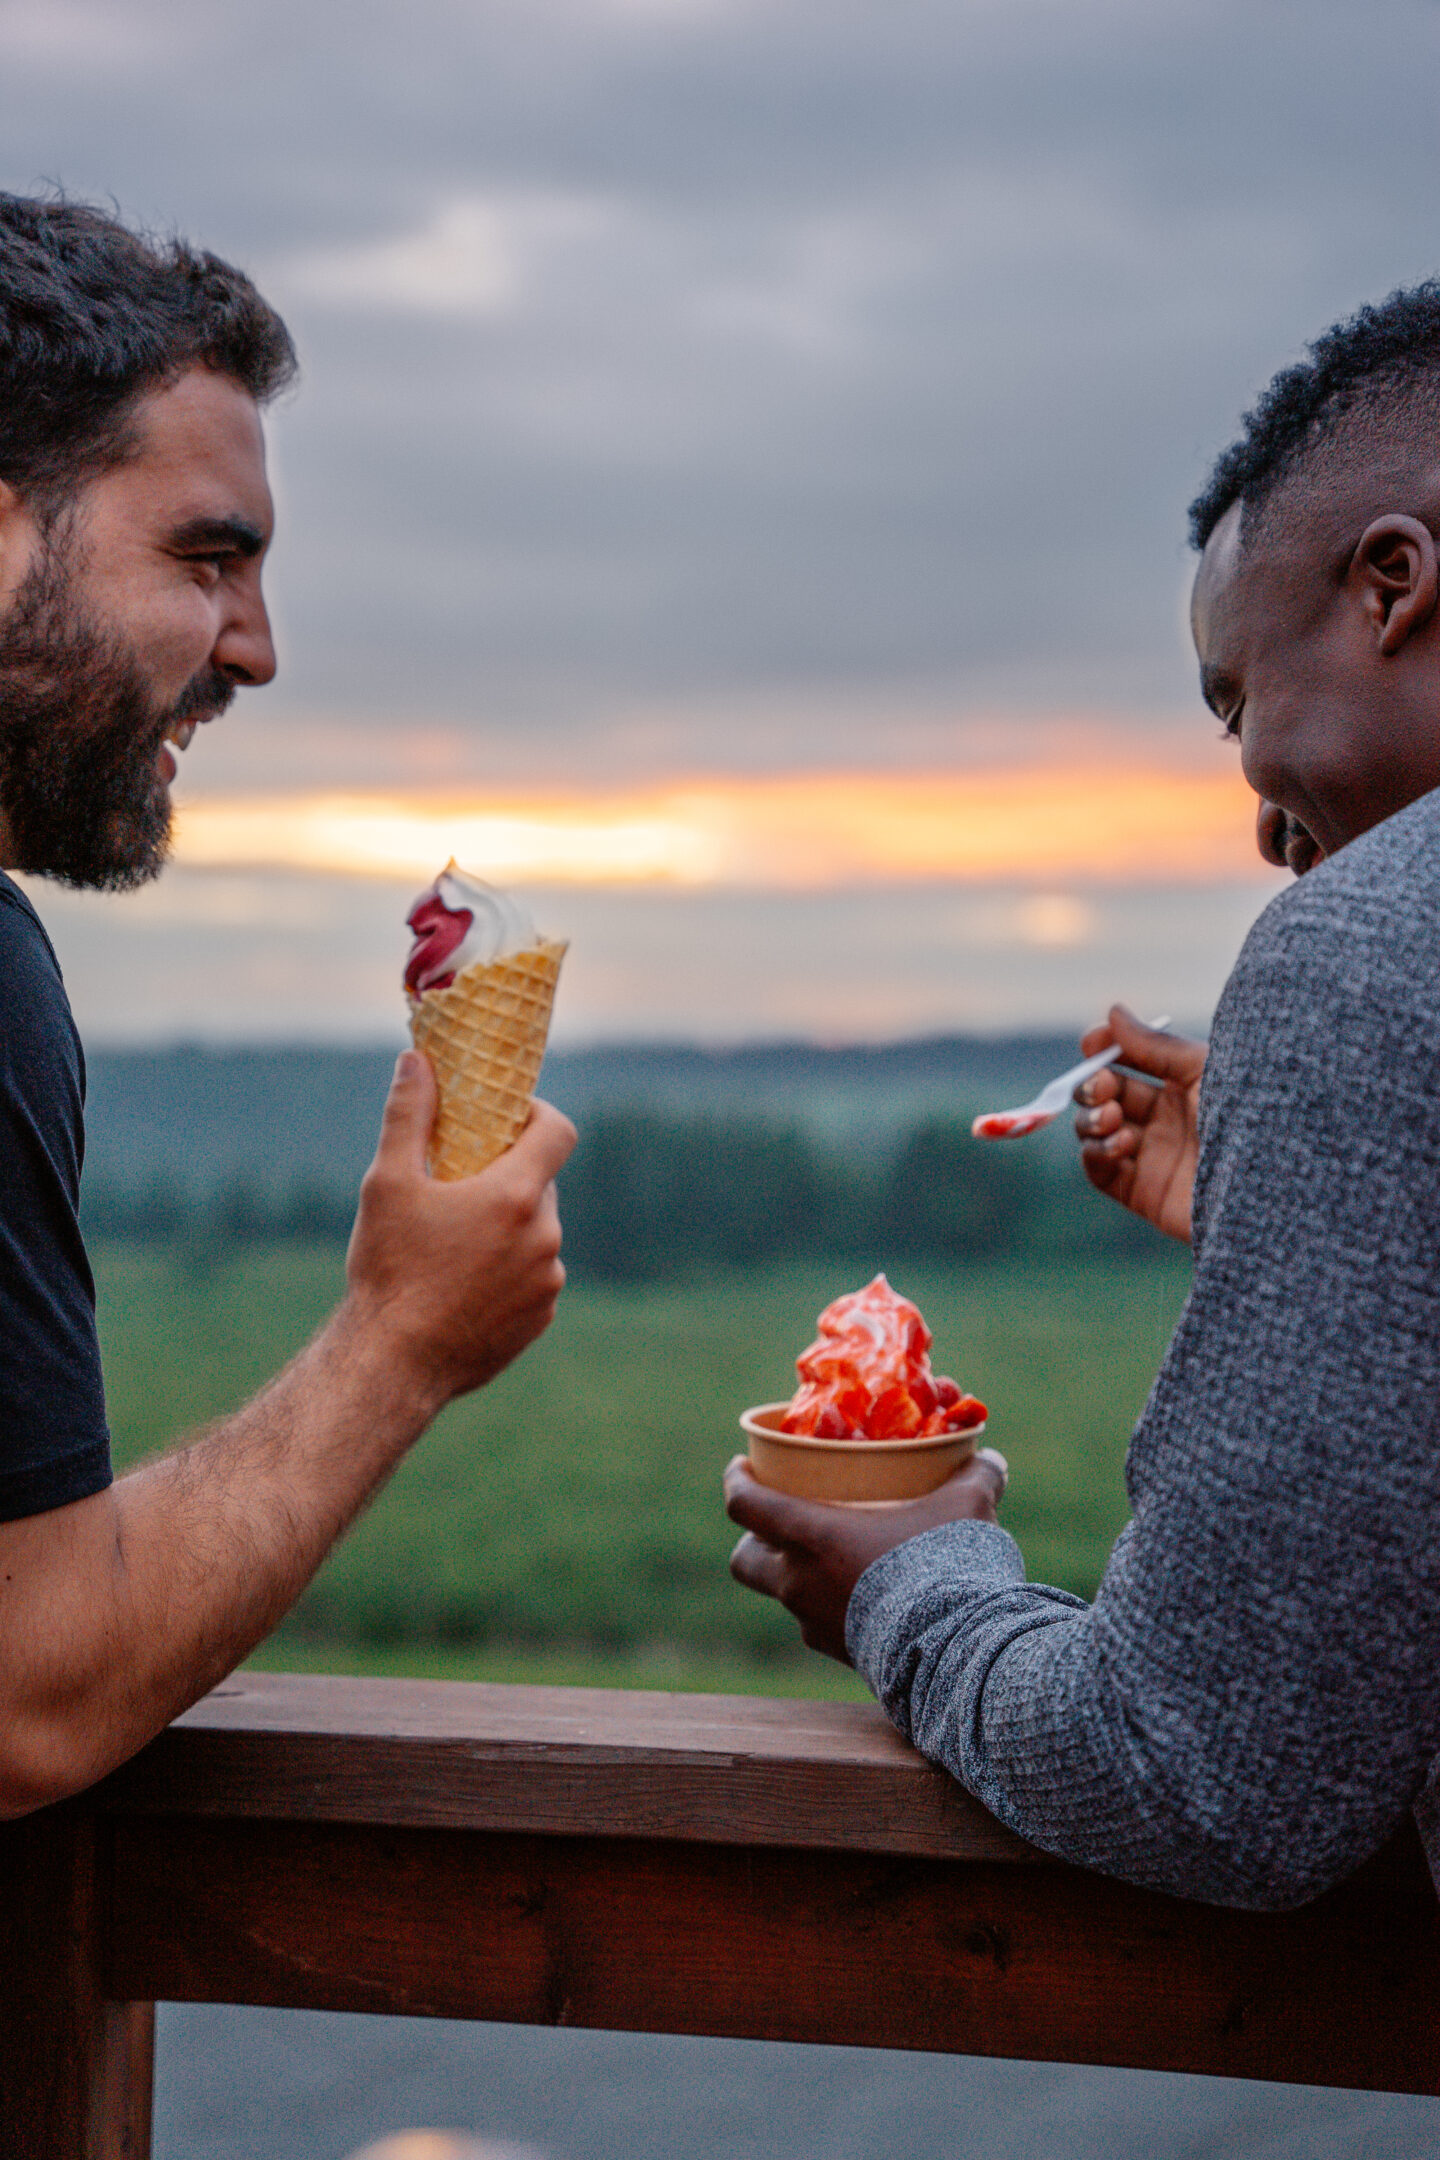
point(659, 1863)
point(735, 1770)
point(76, 2068)
point(1043, 1962)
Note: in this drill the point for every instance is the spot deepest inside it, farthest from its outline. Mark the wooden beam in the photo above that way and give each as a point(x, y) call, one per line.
point(1042, 1962)
point(735, 1770)
point(76, 2067)
point(785, 1871)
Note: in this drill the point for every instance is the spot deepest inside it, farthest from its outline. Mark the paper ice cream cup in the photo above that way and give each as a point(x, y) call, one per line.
point(857, 1473)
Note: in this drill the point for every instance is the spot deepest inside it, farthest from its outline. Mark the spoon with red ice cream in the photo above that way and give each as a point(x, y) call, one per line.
point(1048, 1104)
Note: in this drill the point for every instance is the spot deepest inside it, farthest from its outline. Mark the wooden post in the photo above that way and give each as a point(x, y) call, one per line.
point(75, 2069)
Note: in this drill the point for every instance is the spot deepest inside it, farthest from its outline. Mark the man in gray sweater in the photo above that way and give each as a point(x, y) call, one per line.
point(1252, 1702)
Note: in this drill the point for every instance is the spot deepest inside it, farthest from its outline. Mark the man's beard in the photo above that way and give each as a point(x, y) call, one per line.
point(80, 733)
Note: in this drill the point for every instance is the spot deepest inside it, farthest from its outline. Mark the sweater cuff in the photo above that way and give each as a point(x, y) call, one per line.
point(897, 1595)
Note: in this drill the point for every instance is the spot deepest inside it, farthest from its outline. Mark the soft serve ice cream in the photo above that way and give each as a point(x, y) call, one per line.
point(870, 1422)
point(867, 1376)
point(480, 984)
point(461, 920)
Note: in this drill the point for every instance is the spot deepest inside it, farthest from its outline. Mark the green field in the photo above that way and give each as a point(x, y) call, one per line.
point(565, 1524)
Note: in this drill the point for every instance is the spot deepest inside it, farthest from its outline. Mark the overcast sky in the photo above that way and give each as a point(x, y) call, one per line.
point(703, 383)
point(664, 351)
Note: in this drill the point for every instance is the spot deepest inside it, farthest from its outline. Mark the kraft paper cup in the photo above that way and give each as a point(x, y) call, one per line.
point(860, 1473)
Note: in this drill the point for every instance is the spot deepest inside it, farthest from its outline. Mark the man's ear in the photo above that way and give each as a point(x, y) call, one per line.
point(1395, 576)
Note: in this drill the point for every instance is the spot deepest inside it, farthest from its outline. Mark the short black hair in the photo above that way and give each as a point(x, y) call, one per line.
point(93, 317)
point(1378, 355)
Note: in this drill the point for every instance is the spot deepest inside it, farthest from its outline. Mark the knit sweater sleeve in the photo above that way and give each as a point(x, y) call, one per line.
point(1253, 1700)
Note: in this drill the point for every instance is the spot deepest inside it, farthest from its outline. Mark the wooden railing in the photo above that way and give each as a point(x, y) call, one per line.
point(657, 1863)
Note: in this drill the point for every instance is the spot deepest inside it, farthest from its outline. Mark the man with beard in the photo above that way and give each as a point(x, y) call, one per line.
point(1252, 1702)
point(134, 520)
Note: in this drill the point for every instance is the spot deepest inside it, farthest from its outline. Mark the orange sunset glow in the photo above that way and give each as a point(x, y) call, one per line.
point(797, 831)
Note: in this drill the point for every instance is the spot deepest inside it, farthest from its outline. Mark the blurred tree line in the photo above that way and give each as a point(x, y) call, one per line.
point(650, 1195)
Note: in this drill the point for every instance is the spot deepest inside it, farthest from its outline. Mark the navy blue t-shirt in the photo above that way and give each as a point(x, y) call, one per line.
point(54, 1442)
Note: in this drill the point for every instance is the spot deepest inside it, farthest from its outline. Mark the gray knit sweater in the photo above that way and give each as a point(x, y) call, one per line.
point(1253, 1700)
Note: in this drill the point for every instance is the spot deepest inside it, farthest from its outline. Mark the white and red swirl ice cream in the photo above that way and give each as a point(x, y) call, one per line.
point(461, 919)
point(480, 984)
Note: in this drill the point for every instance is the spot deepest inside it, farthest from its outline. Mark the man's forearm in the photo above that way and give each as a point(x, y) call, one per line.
point(1001, 1683)
point(118, 1612)
point(1188, 1742)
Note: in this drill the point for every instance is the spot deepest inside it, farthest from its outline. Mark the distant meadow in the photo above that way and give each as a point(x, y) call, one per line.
point(565, 1524)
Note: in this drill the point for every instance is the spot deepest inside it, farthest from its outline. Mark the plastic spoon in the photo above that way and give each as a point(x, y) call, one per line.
point(1048, 1104)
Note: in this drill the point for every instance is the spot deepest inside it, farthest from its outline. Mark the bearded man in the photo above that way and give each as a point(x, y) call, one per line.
point(134, 521)
point(1252, 1702)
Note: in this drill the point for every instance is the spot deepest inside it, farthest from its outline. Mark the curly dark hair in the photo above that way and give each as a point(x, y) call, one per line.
point(1379, 356)
point(93, 316)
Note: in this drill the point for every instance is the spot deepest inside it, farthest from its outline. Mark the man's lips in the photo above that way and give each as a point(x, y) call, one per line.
point(180, 733)
point(1302, 849)
point(1284, 841)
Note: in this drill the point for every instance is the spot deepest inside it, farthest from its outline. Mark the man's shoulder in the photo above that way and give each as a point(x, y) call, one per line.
point(1341, 973)
point(1377, 900)
point(24, 940)
point(38, 1042)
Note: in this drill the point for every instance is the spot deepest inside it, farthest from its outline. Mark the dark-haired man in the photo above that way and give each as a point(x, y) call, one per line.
point(134, 521)
point(1252, 1702)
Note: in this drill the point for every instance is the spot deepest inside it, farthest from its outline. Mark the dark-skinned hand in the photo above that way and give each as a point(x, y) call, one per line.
point(810, 1555)
point(1140, 1136)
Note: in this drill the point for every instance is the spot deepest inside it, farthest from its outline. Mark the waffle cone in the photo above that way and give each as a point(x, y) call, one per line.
point(485, 1038)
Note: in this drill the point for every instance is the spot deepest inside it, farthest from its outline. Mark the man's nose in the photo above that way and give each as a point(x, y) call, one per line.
point(245, 648)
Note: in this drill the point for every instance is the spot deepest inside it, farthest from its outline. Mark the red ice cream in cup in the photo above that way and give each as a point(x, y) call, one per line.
point(870, 1420)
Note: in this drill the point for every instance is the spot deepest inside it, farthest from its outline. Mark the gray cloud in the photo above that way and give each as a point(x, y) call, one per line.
point(664, 354)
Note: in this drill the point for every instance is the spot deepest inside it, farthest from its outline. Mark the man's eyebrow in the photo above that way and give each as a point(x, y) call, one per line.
point(218, 536)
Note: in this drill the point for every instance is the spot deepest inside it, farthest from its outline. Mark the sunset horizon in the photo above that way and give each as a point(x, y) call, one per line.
point(800, 830)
